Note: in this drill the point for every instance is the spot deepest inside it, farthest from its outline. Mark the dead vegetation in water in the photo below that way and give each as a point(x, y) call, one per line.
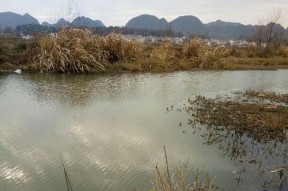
point(250, 127)
point(177, 179)
point(261, 115)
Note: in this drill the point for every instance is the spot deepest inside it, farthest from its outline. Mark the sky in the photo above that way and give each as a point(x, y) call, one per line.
point(118, 12)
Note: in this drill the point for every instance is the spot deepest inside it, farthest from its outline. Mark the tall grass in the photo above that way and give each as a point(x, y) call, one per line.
point(72, 51)
point(121, 49)
point(80, 51)
point(203, 55)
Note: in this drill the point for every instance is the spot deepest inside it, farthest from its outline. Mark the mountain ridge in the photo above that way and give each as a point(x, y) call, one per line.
point(186, 24)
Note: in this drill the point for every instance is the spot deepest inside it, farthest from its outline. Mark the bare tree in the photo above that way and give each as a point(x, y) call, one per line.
point(268, 33)
point(69, 12)
point(73, 10)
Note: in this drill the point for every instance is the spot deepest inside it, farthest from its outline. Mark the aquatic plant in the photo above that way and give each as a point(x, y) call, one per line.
point(177, 179)
point(249, 127)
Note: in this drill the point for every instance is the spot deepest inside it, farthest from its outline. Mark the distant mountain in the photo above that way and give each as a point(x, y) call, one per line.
point(46, 24)
point(9, 19)
point(188, 25)
point(86, 22)
point(228, 30)
point(61, 23)
point(191, 25)
point(222, 24)
point(147, 22)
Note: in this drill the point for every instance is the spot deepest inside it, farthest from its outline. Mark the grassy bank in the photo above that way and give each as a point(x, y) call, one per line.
point(80, 51)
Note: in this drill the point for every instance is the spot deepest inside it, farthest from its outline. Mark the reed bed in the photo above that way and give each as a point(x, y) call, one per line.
point(71, 51)
point(203, 55)
point(80, 51)
point(121, 49)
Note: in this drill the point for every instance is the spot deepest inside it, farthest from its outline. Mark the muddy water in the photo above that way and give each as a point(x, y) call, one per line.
point(110, 129)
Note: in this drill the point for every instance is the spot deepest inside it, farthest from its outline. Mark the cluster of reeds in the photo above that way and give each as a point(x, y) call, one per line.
point(176, 180)
point(206, 56)
point(163, 57)
point(80, 51)
point(121, 49)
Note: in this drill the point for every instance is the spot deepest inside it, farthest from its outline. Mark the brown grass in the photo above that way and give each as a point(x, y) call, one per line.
point(203, 55)
point(72, 51)
point(176, 180)
point(80, 51)
point(260, 115)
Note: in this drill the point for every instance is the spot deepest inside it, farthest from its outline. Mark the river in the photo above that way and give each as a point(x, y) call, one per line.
point(110, 129)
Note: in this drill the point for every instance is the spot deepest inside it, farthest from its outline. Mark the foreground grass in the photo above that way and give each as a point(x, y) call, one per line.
point(80, 51)
point(177, 179)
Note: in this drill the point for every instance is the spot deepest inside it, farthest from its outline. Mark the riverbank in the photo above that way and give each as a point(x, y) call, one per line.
point(80, 51)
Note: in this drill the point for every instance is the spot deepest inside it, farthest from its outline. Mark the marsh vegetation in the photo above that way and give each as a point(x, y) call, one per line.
point(250, 127)
point(81, 51)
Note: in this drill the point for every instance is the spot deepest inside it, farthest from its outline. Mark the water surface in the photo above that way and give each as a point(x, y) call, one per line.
point(110, 129)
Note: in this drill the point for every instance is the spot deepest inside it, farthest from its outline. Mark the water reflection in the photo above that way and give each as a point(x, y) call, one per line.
point(109, 129)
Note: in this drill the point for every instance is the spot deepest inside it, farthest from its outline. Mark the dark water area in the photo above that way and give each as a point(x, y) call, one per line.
point(110, 129)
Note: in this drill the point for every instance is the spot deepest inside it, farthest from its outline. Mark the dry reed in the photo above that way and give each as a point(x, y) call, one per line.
point(177, 180)
point(80, 51)
point(204, 55)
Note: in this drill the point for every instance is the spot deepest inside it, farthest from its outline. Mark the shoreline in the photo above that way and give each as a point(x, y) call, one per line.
point(122, 67)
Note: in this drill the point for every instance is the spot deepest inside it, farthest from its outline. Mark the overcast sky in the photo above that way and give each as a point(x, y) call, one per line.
point(118, 12)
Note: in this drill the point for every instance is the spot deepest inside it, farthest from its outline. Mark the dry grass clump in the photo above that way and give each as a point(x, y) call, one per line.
point(80, 51)
point(204, 55)
point(162, 58)
point(71, 51)
point(164, 53)
point(195, 48)
point(119, 48)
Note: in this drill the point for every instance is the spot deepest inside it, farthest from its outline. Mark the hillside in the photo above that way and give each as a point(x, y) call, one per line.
point(9, 19)
point(188, 25)
point(147, 22)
